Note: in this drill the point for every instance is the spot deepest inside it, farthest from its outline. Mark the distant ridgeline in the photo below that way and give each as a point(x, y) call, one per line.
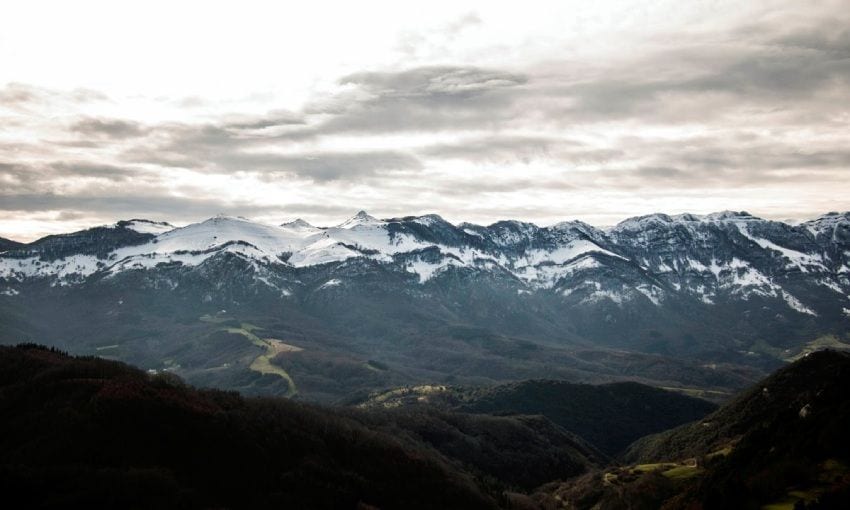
point(702, 304)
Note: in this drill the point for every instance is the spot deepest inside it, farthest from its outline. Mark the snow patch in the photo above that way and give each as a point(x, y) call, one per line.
point(796, 304)
point(798, 259)
point(321, 252)
point(652, 292)
point(149, 227)
point(831, 285)
point(33, 267)
point(427, 270)
point(599, 295)
point(546, 275)
point(330, 283)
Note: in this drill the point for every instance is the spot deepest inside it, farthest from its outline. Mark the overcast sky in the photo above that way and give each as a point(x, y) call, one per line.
point(541, 111)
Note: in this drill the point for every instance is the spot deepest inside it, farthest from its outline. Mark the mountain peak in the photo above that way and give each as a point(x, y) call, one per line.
point(572, 224)
point(221, 217)
point(730, 215)
point(298, 224)
point(361, 218)
point(642, 222)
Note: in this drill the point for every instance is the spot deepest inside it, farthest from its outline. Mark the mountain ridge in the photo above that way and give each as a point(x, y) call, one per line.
point(728, 295)
point(780, 444)
point(705, 255)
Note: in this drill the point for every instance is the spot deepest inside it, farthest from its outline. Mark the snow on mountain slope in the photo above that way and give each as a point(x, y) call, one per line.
point(63, 270)
point(360, 219)
point(547, 275)
point(300, 225)
point(220, 230)
point(832, 224)
point(426, 270)
point(322, 251)
point(802, 261)
point(545, 267)
point(147, 226)
point(717, 256)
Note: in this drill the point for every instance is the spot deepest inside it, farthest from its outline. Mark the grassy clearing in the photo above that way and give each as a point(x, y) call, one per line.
point(273, 347)
point(247, 334)
point(682, 472)
point(712, 395)
point(213, 319)
point(646, 468)
point(395, 397)
point(263, 364)
point(820, 343)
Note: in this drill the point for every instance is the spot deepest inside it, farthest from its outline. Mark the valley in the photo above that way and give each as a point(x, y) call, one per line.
point(780, 444)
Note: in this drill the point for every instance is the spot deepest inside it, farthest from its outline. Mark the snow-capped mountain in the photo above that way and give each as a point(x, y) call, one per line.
point(728, 253)
point(659, 283)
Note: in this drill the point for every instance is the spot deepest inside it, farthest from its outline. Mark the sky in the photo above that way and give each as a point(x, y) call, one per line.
point(477, 111)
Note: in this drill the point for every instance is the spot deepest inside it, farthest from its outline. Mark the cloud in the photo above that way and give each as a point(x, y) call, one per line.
point(421, 99)
point(328, 166)
point(745, 115)
point(226, 150)
point(22, 96)
point(697, 80)
point(495, 149)
point(274, 118)
point(14, 94)
point(110, 128)
point(39, 175)
point(505, 149)
point(466, 21)
point(127, 205)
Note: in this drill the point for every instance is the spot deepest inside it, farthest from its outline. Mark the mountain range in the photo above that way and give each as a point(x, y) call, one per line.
point(697, 303)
